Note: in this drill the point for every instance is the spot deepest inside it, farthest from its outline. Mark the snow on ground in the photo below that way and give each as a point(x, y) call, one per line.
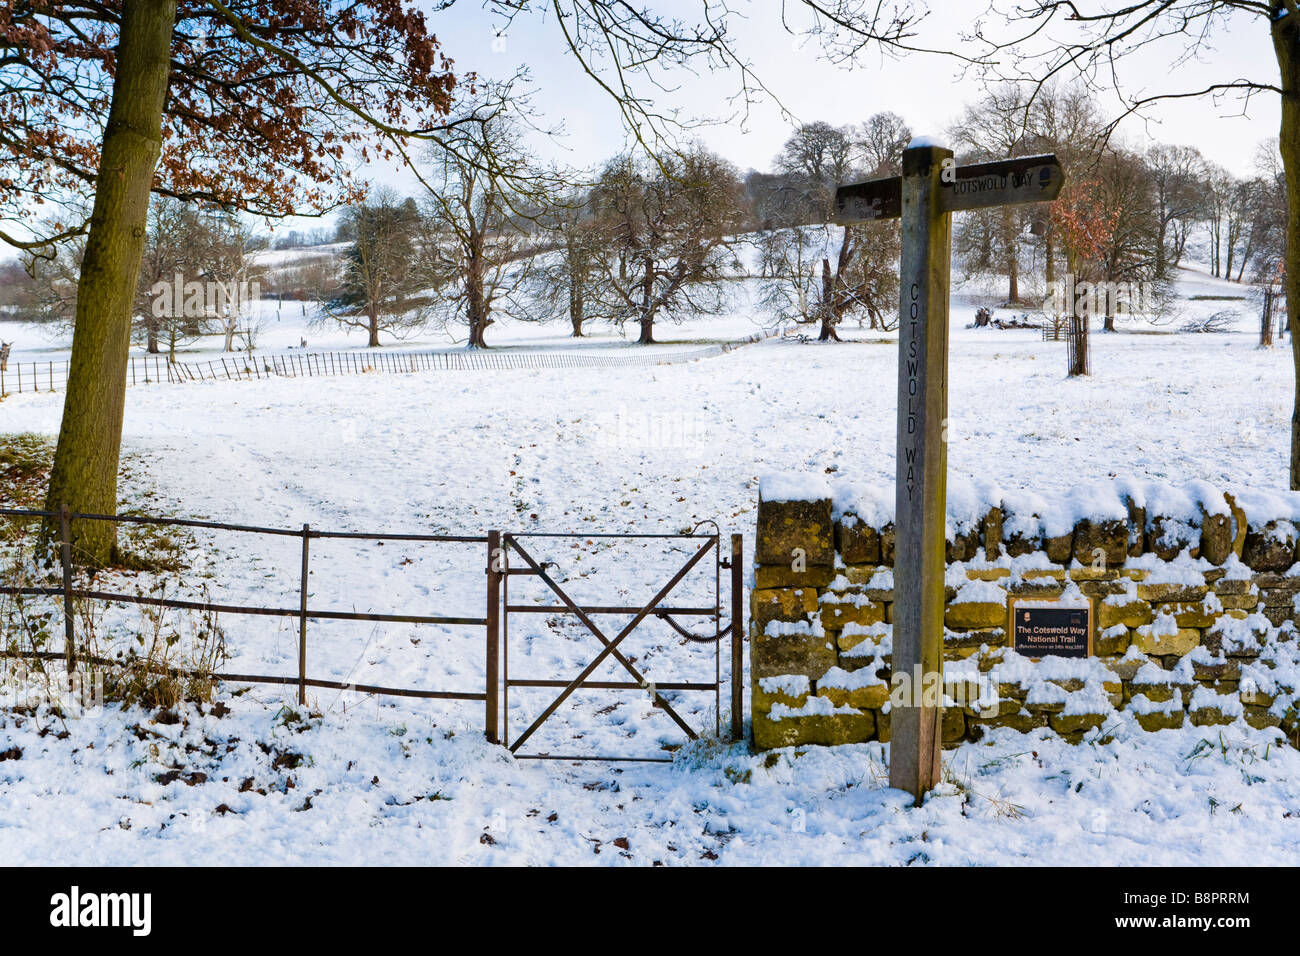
point(378, 786)
point(628, 450)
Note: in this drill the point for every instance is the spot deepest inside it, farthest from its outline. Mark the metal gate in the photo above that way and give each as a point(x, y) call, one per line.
point(539, 583)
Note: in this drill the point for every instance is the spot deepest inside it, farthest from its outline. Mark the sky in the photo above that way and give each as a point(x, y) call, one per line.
point(927, 90)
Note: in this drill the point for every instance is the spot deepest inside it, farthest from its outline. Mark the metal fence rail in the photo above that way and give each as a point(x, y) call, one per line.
point(51, 376)
point(303, 613)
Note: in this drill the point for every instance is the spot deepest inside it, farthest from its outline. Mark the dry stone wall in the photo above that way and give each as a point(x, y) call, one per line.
point(1195, 598)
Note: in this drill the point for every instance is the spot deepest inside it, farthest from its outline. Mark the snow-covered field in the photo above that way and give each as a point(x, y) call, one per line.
point(627, 450)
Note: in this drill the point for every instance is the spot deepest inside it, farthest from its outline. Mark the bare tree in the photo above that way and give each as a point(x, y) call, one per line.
point(880, 142)
point(1130, 243)
point(672, 230)
point(564, 276)
point(993, 127)
point(485, 197)
point(1176, 174)
point(1062, 119)
point(818, 278)
point(1269, 229)
point(171, 224)
point(821, 274)
point(380, 269)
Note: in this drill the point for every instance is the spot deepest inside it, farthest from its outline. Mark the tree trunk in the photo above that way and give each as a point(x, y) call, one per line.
point(477, 309)
point(1049, 259)
point(477, 326)
point(84, 475)
point(577, 309)
point(372, 327)
point(647, 318)
point(1162, 266)
point(828, 316)
point(1286, 46)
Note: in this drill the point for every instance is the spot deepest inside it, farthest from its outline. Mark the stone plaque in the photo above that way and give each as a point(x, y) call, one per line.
point(1051, 628)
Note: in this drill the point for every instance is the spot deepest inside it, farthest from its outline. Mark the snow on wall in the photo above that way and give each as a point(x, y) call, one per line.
point(1194, 592)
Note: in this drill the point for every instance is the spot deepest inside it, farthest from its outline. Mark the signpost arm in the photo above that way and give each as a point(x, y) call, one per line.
point(922, 465)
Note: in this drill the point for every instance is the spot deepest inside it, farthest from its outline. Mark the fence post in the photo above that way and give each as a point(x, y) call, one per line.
point(494, 575)
point(65, 549)
point(737, 637)
point(302, 623)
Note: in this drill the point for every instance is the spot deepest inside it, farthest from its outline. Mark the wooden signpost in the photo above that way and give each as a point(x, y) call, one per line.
point(931, 188)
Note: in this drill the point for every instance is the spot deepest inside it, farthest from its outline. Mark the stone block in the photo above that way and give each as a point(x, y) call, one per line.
point(1283, 596)
point(1227, 669)
point(1270, 548)
point(1110, 641)
point(1024, 722)
point(1162, 593)
point(1261, 718)
point(887, 535)
point(1169, 537)
point(1060, 548)
point(1188, 614)
point(975, 614)
point(1108, 535)
point(1125, 668)
point(1209, 717)
point(988, 574)
point(828, 730)
point(858, 542)
point(781, 604)
point(1223, 586)
point(1146, 640)
point(1216, 537)
point(1161, 720)
point(1137, 525)
point(1075, 723)
point(963, 545)
point(784, 526)
point(954, 725)
point(1103, 589)
point(792, 690)
point(783, 576)
point(794, 654)
point(836, 614)
point(871, 697)
point(1132, 614)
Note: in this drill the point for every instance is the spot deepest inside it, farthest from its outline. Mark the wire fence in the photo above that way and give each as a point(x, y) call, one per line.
point(52, 376)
